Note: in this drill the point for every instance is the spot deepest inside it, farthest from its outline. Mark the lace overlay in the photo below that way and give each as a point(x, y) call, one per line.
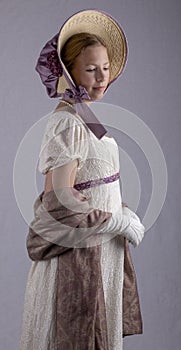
point(66, 138)
point(38, 331)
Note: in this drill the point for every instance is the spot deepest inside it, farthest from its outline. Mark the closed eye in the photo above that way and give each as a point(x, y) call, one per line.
point(94, 69)
point(90, 70)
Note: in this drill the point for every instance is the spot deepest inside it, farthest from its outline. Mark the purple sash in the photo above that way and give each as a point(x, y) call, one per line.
point(93, 183)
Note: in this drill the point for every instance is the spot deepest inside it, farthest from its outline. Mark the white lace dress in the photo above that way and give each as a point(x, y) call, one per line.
point(97, 159)
point(67, 138)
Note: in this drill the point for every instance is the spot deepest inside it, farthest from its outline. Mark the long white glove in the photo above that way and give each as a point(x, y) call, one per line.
point(134, 232)
point(128, 224)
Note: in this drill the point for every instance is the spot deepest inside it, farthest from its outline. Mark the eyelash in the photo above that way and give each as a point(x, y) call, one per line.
point(92, 70)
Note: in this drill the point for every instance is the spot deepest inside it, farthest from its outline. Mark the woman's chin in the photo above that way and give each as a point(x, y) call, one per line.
point(94, 97)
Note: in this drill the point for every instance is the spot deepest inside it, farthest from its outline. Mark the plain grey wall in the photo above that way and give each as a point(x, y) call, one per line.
point(150, 87)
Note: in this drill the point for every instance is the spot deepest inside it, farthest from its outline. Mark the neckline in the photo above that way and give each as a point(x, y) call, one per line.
point(63, 104)
point(109, 137)
point(99, 132)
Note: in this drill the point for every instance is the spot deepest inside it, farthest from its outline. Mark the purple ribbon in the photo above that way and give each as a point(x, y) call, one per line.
point(76, 94)
point(50, 70)
point(49, 67)
point(97, 182)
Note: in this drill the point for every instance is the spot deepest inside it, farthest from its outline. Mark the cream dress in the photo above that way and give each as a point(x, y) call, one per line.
point(67, 138)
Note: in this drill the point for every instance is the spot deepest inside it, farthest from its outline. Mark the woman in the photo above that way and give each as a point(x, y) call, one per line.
point(80, 231)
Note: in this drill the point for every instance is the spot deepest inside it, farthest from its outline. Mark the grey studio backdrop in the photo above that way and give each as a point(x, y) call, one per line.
point(150, 88)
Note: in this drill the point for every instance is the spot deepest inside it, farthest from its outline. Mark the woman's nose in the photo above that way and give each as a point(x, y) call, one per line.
point(100, 75)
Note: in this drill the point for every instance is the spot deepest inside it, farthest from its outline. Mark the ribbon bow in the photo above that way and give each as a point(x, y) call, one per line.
point(77, 95)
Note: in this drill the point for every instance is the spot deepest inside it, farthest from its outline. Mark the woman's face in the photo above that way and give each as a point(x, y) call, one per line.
point(91, 70)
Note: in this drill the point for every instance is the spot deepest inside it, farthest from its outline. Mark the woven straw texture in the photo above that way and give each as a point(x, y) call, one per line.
point(98, 23)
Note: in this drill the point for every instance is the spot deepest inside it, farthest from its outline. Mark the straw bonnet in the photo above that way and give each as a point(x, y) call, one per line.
point(100, 24)
point(52, 71)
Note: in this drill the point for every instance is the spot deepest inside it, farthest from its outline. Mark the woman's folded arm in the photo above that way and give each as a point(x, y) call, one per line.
point(63, 219)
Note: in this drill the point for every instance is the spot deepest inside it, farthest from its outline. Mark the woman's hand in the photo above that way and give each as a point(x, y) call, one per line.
point(134, 232)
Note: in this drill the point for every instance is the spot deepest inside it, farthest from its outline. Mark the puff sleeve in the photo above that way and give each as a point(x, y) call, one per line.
point(65, 139)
